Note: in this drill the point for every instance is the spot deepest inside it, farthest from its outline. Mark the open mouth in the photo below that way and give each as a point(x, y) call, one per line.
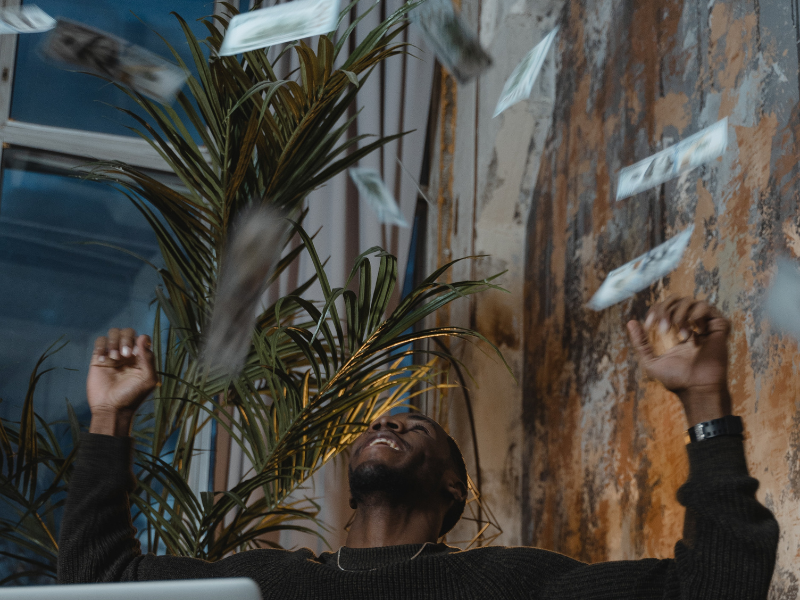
point(384, 442)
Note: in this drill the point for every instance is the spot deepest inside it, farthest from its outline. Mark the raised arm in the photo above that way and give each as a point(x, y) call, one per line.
point(729, 540)
point(98, 541)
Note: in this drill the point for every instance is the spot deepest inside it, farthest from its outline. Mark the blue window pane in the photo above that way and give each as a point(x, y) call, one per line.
point(48, 95)
point(55, 286)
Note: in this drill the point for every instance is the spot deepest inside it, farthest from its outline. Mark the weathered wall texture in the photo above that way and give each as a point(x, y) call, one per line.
point(603, 451)
point(482, 176)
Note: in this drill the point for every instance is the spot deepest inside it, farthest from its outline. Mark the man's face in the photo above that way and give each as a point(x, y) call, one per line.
point(398, 455)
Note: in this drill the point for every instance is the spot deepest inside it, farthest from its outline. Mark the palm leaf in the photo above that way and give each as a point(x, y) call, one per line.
point(33, 454)
point(314, 378)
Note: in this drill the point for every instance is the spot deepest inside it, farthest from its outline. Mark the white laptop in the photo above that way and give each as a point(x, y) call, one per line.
point(189, 589)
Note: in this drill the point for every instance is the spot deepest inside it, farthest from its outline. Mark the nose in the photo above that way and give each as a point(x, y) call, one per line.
point(387, 422)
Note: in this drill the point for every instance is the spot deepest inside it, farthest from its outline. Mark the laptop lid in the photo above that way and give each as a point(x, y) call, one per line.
point(238, 588)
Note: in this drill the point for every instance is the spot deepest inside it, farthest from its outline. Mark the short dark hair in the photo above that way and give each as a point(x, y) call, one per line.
point(453, 515)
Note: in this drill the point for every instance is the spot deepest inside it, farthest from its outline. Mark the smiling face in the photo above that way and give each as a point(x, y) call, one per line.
point(404, 458)
point(400, 441)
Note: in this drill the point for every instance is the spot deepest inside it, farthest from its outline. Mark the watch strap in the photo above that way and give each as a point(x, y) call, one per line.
point(727, 425)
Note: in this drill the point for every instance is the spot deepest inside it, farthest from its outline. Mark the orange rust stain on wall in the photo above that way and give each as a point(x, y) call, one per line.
point(672, 109)
point(792, 234)
point(448, 112)
point(736, 35)
point(737, 50)
point(755, 151)
point(607, 447)
point(643, 30)
point(752, 177)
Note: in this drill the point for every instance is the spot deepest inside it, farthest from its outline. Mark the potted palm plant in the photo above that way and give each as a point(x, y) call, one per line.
point(317, 371)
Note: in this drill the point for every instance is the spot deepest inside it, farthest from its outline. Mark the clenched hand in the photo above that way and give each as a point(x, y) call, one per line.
point(121, 376)
point(695, 369)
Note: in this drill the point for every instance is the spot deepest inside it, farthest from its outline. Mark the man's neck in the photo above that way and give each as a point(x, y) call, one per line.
point(378, 523)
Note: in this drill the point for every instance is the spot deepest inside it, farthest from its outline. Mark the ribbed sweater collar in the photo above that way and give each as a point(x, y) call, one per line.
point(362, 559)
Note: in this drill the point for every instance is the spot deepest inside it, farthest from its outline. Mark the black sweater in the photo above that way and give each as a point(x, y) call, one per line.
point(727, 551)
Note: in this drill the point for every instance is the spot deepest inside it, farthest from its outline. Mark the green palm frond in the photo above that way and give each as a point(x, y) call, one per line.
point(312, 383)
point(263, 138)
point(313, 377)
point(34, 473)
point(318, 370)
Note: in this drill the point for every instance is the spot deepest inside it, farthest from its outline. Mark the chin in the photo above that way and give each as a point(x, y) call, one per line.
point(377, 477)
point(374, 470)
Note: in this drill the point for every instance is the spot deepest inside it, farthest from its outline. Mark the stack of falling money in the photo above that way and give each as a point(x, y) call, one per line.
point(25, 19)
point(280, 23)
point(641, 272)
point(258, 236)
point(88, 49)
point(694, 151)
point(520, 84)
point(456, 46)
point(372, 189)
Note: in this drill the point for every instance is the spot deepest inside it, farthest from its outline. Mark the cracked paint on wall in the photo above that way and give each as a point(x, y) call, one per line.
point(603, 449)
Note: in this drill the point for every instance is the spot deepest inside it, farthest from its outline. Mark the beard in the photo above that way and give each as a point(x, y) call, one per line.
point(374, 479)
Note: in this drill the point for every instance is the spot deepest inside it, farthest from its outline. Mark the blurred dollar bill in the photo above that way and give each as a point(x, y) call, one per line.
point(280, 23)
point(520, 84)
point(641, 272)
point(25, 19)
point(88, 49)
point(414, 181)
point(251, 254)
point(783, 298)
point(455, 44)
point(684, 156)
point(373, 190)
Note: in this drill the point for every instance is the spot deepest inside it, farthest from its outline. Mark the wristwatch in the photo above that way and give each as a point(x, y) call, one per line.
point(727, 425)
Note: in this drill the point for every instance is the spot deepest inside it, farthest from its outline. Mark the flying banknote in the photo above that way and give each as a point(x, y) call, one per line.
point(374, 191)
point(451, 38)
point(88, 49)
point(783, 298)
point(25, 19)
point(520, 84)
point(280, 23)
point(698, 149)
point(257, 240)
point(641, 272)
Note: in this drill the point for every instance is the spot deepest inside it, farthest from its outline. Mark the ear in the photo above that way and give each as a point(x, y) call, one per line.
point(456, 488)
point(353, 503)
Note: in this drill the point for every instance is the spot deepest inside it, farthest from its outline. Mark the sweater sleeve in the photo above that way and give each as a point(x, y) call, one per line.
point(728, 548)
point(98, 540)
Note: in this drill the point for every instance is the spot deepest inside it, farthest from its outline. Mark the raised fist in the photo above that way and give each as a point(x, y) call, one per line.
point(121, 376)
point(695, 369)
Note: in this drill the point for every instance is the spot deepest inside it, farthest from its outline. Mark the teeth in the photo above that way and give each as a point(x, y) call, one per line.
point(385, 442)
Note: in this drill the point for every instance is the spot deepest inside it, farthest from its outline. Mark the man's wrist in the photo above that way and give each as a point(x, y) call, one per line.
point(705, 403)
point(111, 422)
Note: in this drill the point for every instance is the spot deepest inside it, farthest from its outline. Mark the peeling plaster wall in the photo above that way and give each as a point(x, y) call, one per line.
point(602, 450)
point(482, 176)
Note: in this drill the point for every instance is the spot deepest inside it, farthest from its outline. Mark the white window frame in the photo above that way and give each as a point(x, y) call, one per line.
point(46, 140)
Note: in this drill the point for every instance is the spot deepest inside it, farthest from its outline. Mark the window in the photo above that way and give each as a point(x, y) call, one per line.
point(53, 122)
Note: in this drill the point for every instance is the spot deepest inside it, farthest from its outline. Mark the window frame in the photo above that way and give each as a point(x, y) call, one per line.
point(75, 143)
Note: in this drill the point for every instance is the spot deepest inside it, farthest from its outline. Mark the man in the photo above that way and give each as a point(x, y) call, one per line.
point(407, 485)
